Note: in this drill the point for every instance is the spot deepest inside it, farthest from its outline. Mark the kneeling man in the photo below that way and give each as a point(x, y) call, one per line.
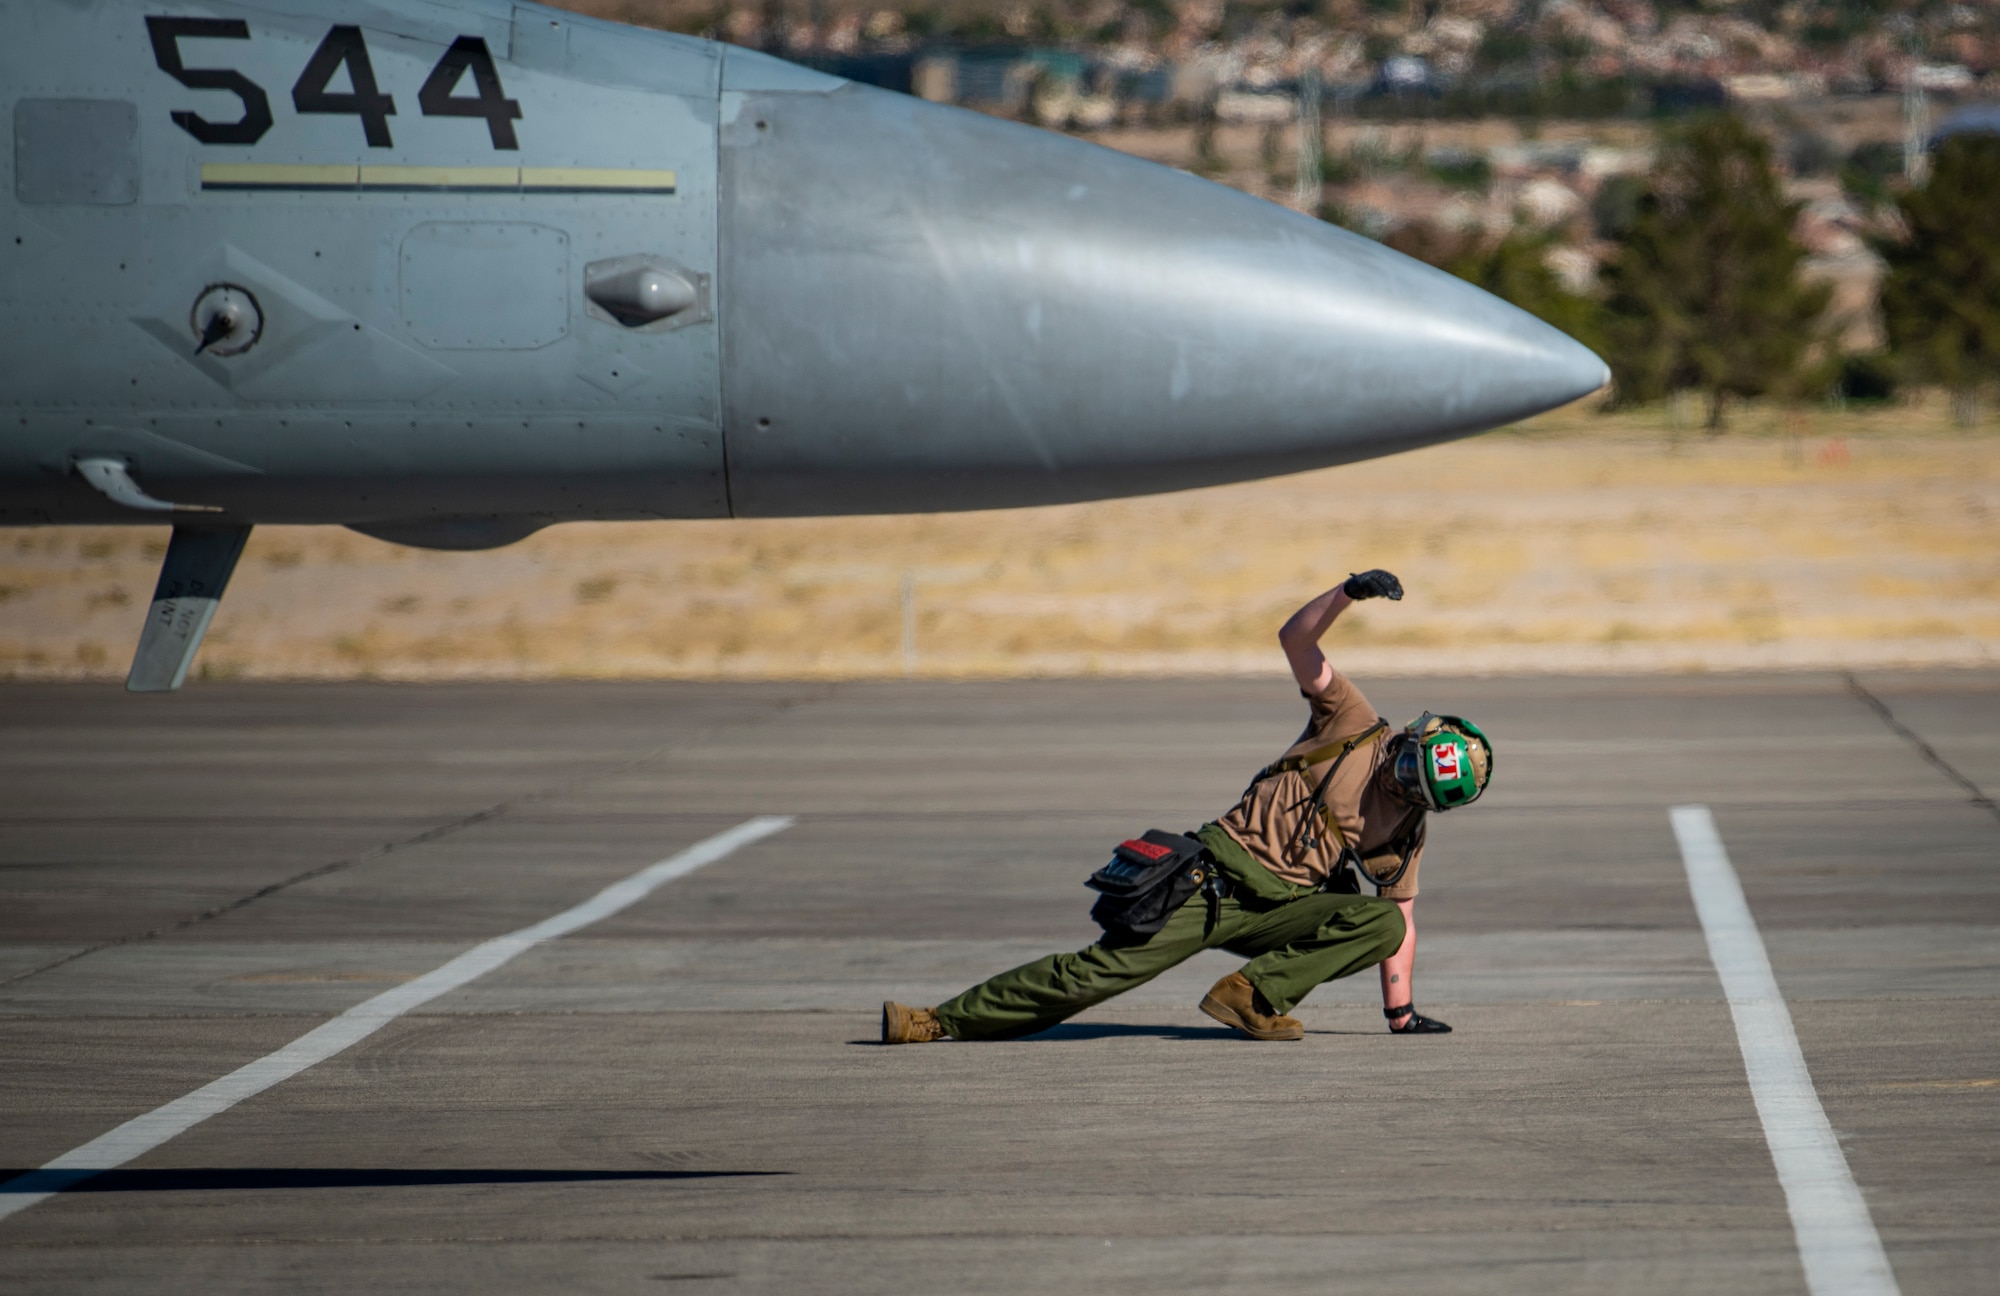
point(1345, 804)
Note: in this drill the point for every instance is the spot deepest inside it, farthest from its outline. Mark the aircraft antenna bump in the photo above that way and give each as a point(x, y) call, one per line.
point(638, 291)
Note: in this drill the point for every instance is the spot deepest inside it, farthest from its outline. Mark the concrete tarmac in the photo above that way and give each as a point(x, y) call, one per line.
point(688, 1095)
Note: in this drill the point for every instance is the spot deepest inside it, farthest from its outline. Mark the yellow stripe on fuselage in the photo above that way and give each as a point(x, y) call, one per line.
point(288, 176)
point(425, 177)
point(595, 180)
point(276, 175)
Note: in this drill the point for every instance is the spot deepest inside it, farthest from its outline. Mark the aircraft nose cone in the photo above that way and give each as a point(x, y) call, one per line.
point(923, 308)
point(1343, 345)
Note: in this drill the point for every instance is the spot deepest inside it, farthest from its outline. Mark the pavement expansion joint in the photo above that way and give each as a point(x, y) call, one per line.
point(1924, 749)
point(433, 834)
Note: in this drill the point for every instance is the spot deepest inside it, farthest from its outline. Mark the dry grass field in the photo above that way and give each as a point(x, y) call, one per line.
point(1577, 542)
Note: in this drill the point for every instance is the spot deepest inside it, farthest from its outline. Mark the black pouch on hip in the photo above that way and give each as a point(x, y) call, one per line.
point(1147, 879)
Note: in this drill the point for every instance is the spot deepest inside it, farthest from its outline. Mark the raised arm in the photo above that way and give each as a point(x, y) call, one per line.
point(1300, 635)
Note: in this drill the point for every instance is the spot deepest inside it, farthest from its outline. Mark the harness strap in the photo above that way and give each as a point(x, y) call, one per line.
point(1401, 845)
point(1338, 749)
point(1326, 815)
point(1402, 842)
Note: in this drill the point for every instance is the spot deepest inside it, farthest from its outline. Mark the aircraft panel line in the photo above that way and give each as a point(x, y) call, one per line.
point(142, 1134)
point(1838, 1244)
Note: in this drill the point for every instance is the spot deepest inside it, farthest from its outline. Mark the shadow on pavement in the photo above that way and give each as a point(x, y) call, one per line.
point(1105, 1030)
point(1132, 1030)
point(266, 1177)
point(1072, 1031)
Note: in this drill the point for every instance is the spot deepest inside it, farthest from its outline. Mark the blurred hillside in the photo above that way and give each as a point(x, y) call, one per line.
point(1581, 542)
point(1460, 118)
point(1470, 55)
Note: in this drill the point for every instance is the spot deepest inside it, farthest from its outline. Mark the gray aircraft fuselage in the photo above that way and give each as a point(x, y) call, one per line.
point(446, 271)
point(897, 306)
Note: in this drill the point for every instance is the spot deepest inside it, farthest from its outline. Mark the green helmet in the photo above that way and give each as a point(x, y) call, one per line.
point(1440, 762)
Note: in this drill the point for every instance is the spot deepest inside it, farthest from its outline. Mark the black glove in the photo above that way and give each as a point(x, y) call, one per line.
point(1375, 583)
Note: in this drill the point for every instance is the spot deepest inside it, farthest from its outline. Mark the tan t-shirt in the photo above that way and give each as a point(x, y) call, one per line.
point(1276, 822)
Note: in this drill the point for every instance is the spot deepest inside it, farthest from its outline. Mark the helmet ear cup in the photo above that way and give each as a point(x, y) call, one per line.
point(1404, 760)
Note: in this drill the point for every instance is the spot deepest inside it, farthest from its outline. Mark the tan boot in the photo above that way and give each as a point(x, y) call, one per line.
point(1233, 1001)
point(902, 1024)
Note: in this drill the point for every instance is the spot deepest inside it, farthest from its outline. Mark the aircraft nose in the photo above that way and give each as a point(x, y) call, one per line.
point(924, 308)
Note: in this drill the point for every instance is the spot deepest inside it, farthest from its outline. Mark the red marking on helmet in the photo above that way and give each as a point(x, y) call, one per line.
point(1151, 850)
point(1444, 760)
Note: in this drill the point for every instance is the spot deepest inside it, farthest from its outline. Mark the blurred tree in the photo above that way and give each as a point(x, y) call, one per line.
point(1871, 169)
point(1333, 213)
point(1207, 158)
point(1864, 376)
point(1704, 292)
point(1460, 170)
point(1616, 205)
point(1432, 244)
point(1811, 154)
point(1941, 293)
point(1270, 152)
point(1516, 269)
point(1505, 47)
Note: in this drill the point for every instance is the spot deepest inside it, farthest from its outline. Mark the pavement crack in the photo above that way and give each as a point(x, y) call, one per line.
point(1924, 749)
point(431, 834)
point(435, 833)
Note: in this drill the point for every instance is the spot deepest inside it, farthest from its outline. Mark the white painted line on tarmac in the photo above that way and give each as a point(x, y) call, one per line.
point(142, 1134)
point(1838, 1244)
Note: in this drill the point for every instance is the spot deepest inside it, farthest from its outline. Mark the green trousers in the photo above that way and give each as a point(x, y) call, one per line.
point(1292, 945)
